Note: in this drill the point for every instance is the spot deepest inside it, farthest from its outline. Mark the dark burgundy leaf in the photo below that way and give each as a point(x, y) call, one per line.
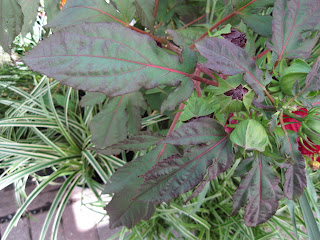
point(236, 37)
point(237, 93)
point(260, 186)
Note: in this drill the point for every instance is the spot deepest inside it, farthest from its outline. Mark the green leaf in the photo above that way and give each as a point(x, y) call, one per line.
point(113, 64)
point(260, 186)
point(178, 174)
point(292, 20)
point(295, 174)
point(126, 8)
point(260, 24)
point(92, 98)
point(29, 10)
point(145, 9)
point(227, 58)
point(197, 107)
point(202, 130)
point(11, 21)
point(250, 135)
point(191, 34)
point(140, 141)
point(51, 8)
point(79, 11)
point(123, 211)
point(120, 117)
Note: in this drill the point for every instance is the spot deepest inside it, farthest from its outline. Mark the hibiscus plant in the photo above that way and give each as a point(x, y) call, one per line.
point(245, 88)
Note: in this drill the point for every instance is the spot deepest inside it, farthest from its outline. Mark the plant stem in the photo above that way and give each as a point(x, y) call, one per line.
point(197, 84)
point(176, 118)
point(262, 54)
point(192, 22)
point(156, 9)
point(221, 21)
point(204, 80)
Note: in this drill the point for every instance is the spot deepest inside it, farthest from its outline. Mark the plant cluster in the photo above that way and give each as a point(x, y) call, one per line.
point(237, 89)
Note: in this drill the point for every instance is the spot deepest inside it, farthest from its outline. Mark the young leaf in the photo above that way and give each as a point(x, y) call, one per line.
point(92, 98)
point(140, 141)
point(11, 21)
point(260, 24)
point(179, 174)
point(195, 132)
point(120, 116)
point(79, 11)
point(295, 175)
point(123, 211)
point(97, 57)
point(227, 58)
point(29, 10)
point(291, 20)
point(260, 186)
point(145, 9)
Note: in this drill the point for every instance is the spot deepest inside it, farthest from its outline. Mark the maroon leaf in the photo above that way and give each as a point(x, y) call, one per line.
point(295, 175)
point(201, 130)
point(96, 57)
point(260, 186)
point(224, 57)
point(236, 37)
point(291, 22)
point(179, 174)
point(123, 211)
point(313, 79)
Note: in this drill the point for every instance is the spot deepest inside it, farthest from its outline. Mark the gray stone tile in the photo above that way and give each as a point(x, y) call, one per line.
point(104, 230)
point(36, 225)
point(20, 232)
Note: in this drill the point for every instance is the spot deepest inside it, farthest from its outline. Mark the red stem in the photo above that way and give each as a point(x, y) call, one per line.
point(176, 118)
point(156, 9)
point(221, 21)
point(262, 54)
point(192, 22)
point(197, 84)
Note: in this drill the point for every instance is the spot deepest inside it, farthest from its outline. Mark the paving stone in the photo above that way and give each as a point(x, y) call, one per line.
point(36, 226)
point(104, 230)
point(20, 232)
point(8, 203)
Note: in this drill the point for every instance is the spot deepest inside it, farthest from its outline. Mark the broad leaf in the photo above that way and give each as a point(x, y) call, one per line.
point(126, 8)
point(260, 24)
point(51, 8)
point(92, 98)
point(260, 186)
point(124, 183)
point(140, 141)
point(79, 11)
point(120, 117)
point(195, 132)
point(97, 57)
point(312, 82)
point(295, 175)
point(29, 10)
point(145, 9)
point(11, 21)
point(227, 58)
point(179, 174)
point(291, 22)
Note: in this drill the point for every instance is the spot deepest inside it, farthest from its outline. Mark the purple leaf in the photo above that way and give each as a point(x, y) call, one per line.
point(95, 57)
point(295, 175)
point(120, 117)
point(226, 58)
point(140, 141)
point(123, 211)
point(260, 186)
point(79, 11)
point(313, 79)
point(29, 9)
point(195, 132)
point(236, 37)
point(92, 98)
point(291, 20)
point(179, 174)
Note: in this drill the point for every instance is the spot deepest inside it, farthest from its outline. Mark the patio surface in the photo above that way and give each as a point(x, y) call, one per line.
point(78, 222)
